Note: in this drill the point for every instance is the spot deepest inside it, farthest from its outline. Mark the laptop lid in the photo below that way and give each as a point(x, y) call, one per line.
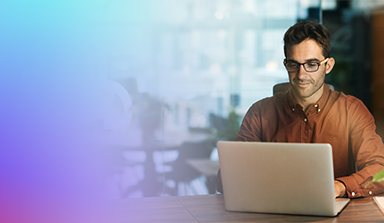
point(285, 178)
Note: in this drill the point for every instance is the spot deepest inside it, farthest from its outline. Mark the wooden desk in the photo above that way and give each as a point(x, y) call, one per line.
point(210, 208)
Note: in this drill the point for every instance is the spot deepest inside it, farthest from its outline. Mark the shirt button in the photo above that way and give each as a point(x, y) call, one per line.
point(293, 109)
point(318, 110)
point(316, 106)
point(353, 194)
point(370, 192)
point(305, 120)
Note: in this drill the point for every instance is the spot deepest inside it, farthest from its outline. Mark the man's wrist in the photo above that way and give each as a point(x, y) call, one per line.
point(340, 189)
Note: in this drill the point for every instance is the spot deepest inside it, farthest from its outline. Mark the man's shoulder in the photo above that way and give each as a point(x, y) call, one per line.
point(341, 96)
point(348, 102)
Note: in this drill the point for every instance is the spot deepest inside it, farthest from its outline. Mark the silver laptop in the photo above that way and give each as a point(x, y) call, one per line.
point(284, 178)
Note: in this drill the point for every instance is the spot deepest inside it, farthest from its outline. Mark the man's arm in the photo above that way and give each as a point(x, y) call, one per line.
point(368, 152)
point(249, 131)
point(219, 184)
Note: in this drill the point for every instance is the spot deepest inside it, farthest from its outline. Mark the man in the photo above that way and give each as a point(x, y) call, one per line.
point(309, 112)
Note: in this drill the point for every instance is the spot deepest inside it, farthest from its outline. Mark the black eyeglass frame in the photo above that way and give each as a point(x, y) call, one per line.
point(304, 65)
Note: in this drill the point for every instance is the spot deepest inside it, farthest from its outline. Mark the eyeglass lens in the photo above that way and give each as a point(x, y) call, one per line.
point(309, 66)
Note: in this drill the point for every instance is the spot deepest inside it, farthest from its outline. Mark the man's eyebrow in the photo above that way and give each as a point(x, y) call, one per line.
point(312, 60)
point(291, 60)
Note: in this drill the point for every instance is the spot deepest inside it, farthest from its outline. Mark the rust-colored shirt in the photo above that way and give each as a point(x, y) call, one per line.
point(338, 119)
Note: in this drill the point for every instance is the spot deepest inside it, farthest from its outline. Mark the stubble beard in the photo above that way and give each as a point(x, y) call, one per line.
point(307, 92)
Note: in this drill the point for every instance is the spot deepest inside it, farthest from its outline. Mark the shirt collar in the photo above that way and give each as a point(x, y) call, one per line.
point(319, 104)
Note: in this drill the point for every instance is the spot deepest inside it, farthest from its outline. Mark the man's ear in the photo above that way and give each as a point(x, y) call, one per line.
point(329, 65)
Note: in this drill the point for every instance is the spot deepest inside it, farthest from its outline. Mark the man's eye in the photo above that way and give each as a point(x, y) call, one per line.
point(311, 64)
point(292, 65)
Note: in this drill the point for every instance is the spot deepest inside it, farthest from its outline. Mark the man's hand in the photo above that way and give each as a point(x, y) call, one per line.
point(339, 189)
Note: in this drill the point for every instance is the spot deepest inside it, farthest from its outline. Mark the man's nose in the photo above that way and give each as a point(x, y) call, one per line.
point(301, 73)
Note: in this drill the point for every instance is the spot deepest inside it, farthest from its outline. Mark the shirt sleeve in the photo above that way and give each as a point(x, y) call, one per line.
point(249, 131)
point(368, 152)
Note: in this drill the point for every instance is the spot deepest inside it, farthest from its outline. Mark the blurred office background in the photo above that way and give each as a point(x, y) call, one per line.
point(176, 76)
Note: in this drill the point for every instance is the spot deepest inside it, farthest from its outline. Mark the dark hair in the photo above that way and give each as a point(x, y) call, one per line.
point(308, 30)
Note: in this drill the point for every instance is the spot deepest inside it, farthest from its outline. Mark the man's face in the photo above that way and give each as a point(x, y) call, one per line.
point(307, 85)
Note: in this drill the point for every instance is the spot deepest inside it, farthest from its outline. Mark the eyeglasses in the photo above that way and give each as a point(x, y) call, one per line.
point(293, 66)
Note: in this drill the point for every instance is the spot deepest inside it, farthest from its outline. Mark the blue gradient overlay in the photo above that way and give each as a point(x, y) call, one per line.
point(50, 163)
point(64, 115)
